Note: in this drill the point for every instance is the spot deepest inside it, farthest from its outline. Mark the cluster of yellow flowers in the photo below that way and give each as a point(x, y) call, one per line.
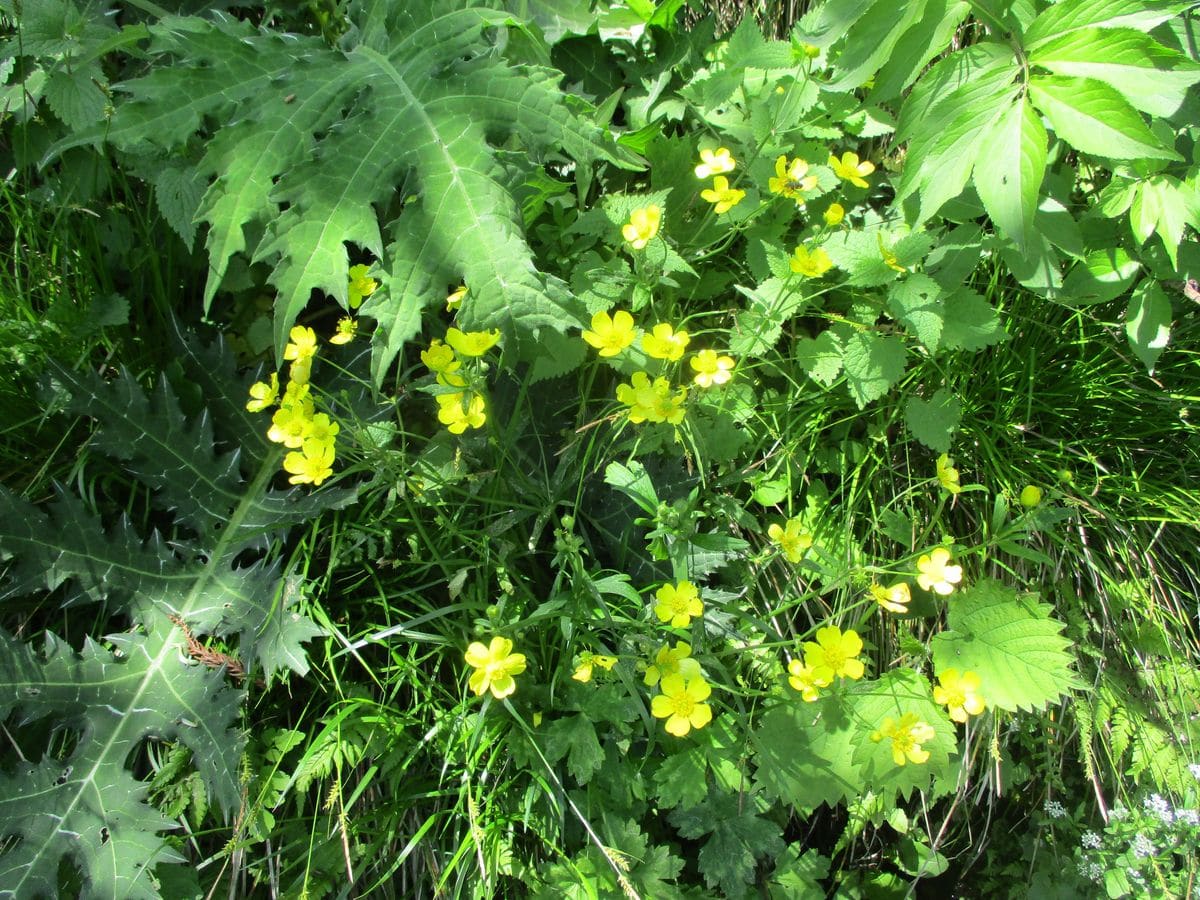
point(959, 693)
point(461, 406)
point(716, 164)
point(681, 683)
point(935, 573)
point(834, 654)
point(654, 400)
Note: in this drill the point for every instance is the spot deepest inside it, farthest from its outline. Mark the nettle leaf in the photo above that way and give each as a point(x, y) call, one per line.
point(821, 357)
point(917, 303)
point(934, 421)
point(770, 305)
point(212, 578)
point(873, 363)
point(396, 136)
point(1094, 118)
point(1011, 642)
point(1010, 167)
point(1148, 323)
point(971, 323)
point(1153, 78)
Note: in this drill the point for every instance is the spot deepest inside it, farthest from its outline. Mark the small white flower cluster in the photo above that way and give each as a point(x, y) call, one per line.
point(1142, 846)
point(1160, 807)
point(1188, 817)
point(1194, 768)
point(1092, 871)
point(1054, 809)
point(1091, 840)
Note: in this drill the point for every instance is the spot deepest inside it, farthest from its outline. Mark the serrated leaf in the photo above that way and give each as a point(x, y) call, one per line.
point(820, 357)
point(971, 323)
point(770, 305)
point(873, 363)
point(575, 738)
point(929, 35)
point(1151, 77)
point(682, 779)
point(1161, 204)
point(76, 95)
point(1094, 118)
point(738, 836)
point(178, 192)
point(1011, 642)
point(917, 303)
point(1073, 15)
point(1148, 323)
point(934, 421)
point(1010, 167)
point(869, 42)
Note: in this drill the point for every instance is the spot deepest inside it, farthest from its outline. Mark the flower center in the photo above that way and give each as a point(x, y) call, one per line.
point(682, 705)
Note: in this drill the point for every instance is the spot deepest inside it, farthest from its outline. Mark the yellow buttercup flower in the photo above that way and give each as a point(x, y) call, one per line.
point(458, 412)
point(471, 343)
point(663, 342)
point(835, 654)
point(894, 599)
point(805, 679)
point(302, 343)
point(675, 660)
point(642, 226)
point(947, 475)
point(960, 694)
point(494, 665)
point(611, 334)
point(346, 329)
point(834, 214)
point(263, 394)
point(889, 258)
point(935, 572)
point(312, 464)
point(792, 179)
point(678, 604)
point(321, 428)
point(591, 661)
point(439, 357)
point(682, 704)
point(711, 368)
point(810, 263)
point(290, 424)
point(715, 162)
point(652, 402)
point(722, 196)
point(360, 286)
point(792, 539)
point(906, 736)
point(454, 299)
point(848, 168)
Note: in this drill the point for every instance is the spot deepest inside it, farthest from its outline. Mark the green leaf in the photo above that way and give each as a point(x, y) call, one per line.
point(873, 363)
point(682, 779)
point(870, 41)
point(1011, 642)
point(820, 357)
point(179, 192)
point(76, 95)
point(1148, 323)
point(1161, 204)
point(759, 326)
point(634, 482)
point(916, 302)
point(1101, 276)
point(1093, 118)
point(929, 36)
point(738, 836)
point(934, 422)
point(575, 738)
point(1010, 167)
point(974, 63)
point(971, 323)
point(1153, 78)
point(799, 877)
point(1073, 15)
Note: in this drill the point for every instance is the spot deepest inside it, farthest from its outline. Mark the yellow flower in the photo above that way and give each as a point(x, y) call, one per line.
point(346, 329)
point(302, 343)
point(322, 428)
point(663, 342)
point(298, 393)
point(792, 539)
point(805, 679)
point(810, 264)
point(715, 162)
point(458, 412)
point(1031, 496)
point(834, 214)
point(894, 599)
point(472, 343)
point(935, 574)
point(848, 168)
point(263, 394)
point(360, 286)
point(889, 258)
point(669, 661)
point(290, 424)
point(588, 662)
point(682, 704)
point(792, 179)
point(947, 475)
point(300, 371)
point(960, 694)
point(677, 604)
point(313, 464)
point(495, 665)
point(439, 357)
point(711, 369)
point(611, 334)
point(722, 196)
point(906, 736)
point(649, 402)
point(455, 298)
point(811, 51)
point(834, 655)
point(642, 226)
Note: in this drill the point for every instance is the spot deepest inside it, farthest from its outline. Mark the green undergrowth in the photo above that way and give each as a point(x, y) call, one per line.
point(598, 450)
